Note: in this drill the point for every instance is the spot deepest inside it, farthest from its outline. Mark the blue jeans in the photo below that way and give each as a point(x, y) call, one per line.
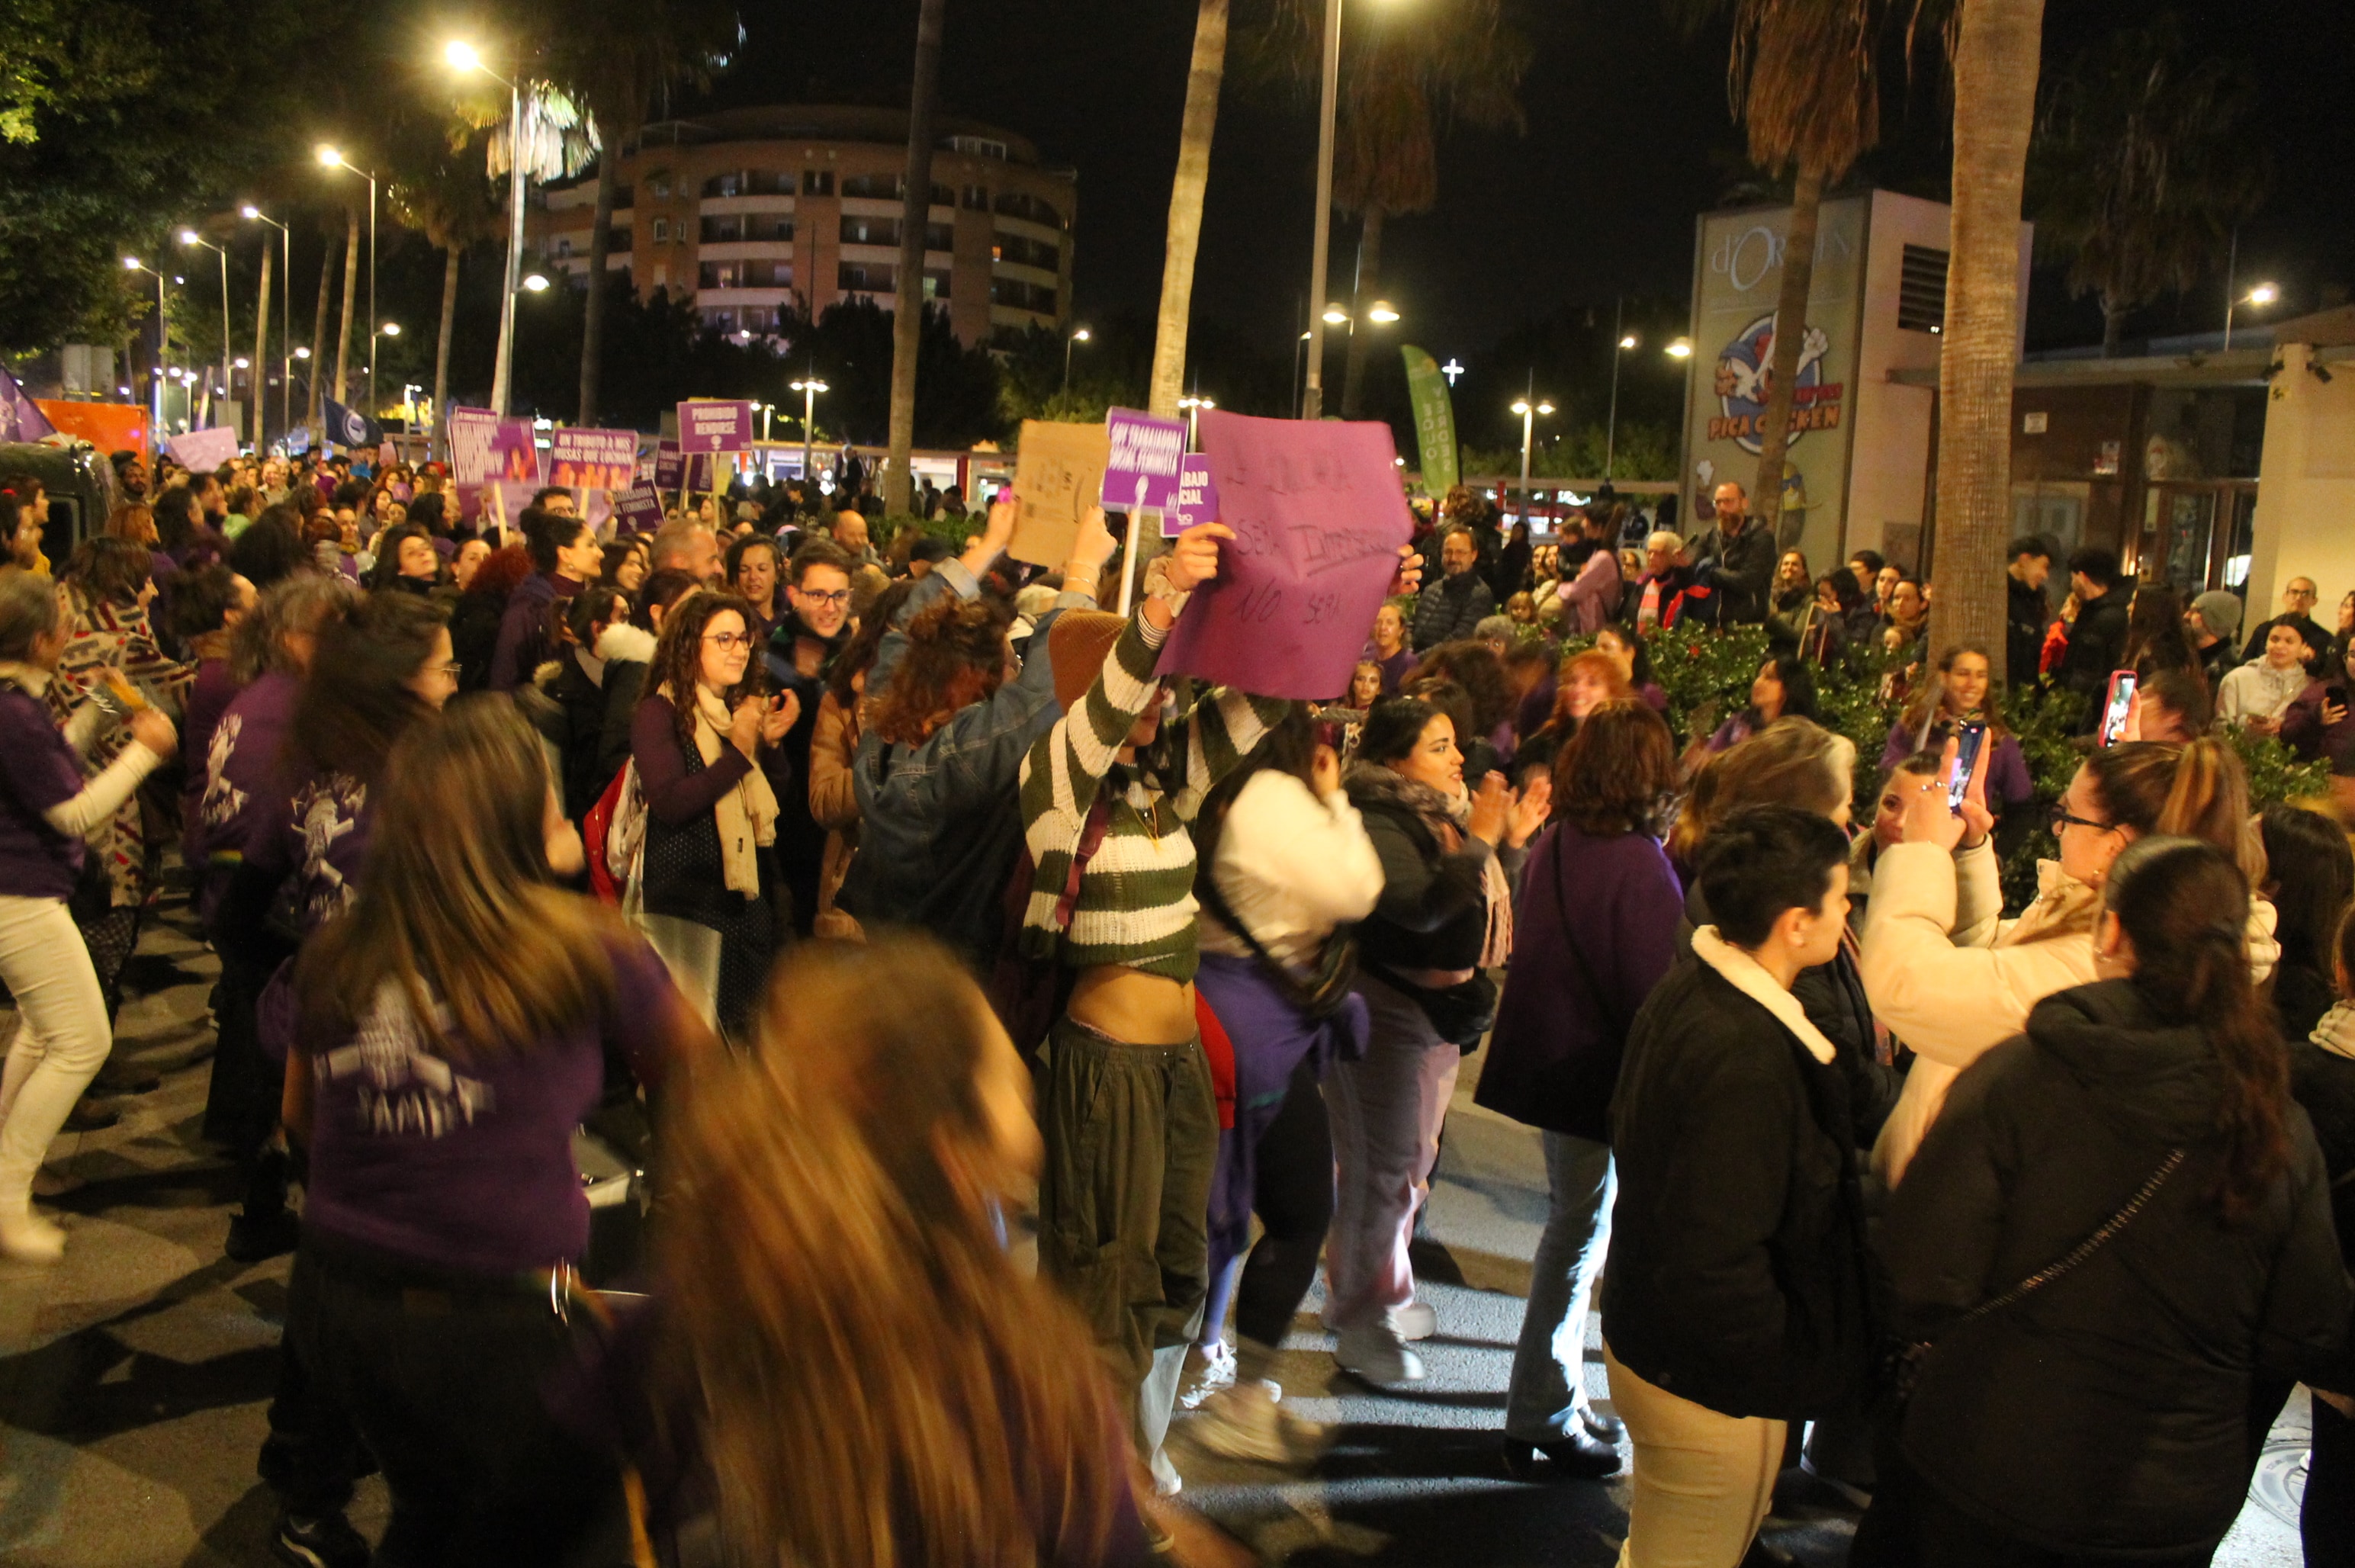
point(1548, 1385)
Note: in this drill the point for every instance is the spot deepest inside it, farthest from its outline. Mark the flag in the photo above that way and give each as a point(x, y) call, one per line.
point(1434, 420)
point(349, 427)
point(19, 419)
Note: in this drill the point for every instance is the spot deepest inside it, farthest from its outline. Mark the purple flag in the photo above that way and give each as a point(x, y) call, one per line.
point(19, 419)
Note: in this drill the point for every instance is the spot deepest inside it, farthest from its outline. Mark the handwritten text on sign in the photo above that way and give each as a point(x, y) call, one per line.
point(1141, 469)
point(1057, 475)
point(592, 459)
point(1318, 518)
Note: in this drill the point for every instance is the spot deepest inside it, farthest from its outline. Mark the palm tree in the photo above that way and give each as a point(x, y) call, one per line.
point(2139, 172)
point(1407, 78)
point(915, 213)
point(445, 195)
point(351, 278)
point(616, 56)
point(1803, 75)
point(1996, 50)
point(1203, 79)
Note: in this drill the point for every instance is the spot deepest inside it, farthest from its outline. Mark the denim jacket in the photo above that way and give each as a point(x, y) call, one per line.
point(942, 823)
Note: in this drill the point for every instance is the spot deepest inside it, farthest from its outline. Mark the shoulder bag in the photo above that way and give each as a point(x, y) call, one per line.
point(1901, 1371)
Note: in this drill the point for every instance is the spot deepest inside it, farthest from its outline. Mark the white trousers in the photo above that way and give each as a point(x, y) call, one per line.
point(62, 1036)
point(1703, 1479)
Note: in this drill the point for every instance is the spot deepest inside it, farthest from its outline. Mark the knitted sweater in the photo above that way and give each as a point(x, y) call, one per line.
point(1135, 900)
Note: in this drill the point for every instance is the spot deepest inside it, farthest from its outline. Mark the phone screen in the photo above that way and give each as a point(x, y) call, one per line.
point(2115, 706)
point(1969, 741)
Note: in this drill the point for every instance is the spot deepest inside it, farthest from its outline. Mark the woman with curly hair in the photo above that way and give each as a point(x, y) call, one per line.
point(706, 743)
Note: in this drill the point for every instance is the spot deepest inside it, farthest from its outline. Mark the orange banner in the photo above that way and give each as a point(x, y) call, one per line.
point(109, 427)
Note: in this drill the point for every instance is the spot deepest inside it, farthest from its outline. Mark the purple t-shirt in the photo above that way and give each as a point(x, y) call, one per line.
point(37, 773)
point(209, 698)
point(246, 786)
point(464, 1164)
point(319, 838)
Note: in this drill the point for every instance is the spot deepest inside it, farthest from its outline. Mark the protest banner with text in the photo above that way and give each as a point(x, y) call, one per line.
point(202, 451)
point(1318, 518)
point(592, 459)
point(1141, 468)
point(1058, 475)
point(712, 425)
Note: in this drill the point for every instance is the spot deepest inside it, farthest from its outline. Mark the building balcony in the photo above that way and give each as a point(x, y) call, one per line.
point(745, 251)
point(719, 205)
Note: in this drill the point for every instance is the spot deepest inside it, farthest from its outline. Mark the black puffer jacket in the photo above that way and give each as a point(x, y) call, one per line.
point(1739, 1275)
point(2108, 1411)
point(1434, 912)
point(2322, 1080)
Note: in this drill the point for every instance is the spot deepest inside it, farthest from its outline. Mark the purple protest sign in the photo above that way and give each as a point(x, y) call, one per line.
point(202, 451)
point(715, 426)
point(592, 459)
point(670, 467)
point(1197, 497)
point(638, 509)
point(471, 433)
point(514, 455)
point(1146, 452)
point(1318, 518)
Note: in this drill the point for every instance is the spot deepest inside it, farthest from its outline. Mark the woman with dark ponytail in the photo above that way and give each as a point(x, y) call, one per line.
point(2137, 1156)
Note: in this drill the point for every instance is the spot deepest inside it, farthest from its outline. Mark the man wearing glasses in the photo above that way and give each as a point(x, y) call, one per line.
point(815, 626)
point(2298, 599)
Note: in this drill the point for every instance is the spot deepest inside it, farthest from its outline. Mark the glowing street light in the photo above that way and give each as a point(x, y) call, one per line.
point(190, 237)
point(1079, 334)
point(462, 56)
point(536, 283)
point(809, 387)
point(253, 214)
point(1383, 312)
point(329, 157)
point(1529, 407)
point(1611, 432)
point(1335, 316)
point(162, 333)
point(1193, 407)
point(1680, 349)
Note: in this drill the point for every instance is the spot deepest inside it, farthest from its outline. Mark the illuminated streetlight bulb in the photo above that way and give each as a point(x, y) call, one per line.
point(1545, 408)
point(1383, 311)
point(301, 354)
point(243, 363)
point(534, 283)
point(391, 329)
point(1628, 341)
point(2263, 293)
point(1082, 336)
point(1519, 406)
point(130, 263)
point(1335, 316)
point(329, 157)
point(1680, 349)
point(462, 55)
point(250, 210)
point(187, 236)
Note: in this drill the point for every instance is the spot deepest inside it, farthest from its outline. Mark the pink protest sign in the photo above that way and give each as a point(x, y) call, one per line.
point(202, 451)
point(1318, 518)
point(484, 447)
point(1142, 468)
point(711, 425)
point(583, 459)
point(1198, 499)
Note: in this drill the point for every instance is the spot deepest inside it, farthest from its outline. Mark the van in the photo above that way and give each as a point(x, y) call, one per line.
point(79, 481)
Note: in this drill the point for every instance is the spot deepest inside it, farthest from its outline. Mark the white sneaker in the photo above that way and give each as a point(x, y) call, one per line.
point(1415, 1320)
point(1207, 1372)
point(27, 1238)
point(1246, 1422)
point(1378, 1354)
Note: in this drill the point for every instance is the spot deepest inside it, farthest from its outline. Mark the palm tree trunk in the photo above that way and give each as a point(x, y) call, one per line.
point(1368, 289)
point(2113, 328)
point(260, 380)
point(351, 276)
point(442, 349)
point(593, 310)
point(1186, 189)
point(1790, 330)
point(915, 212)
point(1997, 58)
point(319, 331)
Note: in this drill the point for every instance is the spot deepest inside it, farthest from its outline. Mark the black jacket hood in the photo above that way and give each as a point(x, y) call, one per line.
point(2146, 1073)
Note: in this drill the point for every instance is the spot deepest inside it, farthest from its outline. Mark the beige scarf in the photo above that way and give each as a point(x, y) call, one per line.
point(747, 815)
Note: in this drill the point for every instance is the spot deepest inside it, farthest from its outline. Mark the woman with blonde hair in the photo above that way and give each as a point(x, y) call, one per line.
point(1954, 979)
point(845, 1181)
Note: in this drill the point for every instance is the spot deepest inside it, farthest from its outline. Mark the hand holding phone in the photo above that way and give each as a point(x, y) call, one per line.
point(2115, 706)
point(1970, 740)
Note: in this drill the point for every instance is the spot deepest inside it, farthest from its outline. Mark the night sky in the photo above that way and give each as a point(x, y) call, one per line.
point(1629, 137)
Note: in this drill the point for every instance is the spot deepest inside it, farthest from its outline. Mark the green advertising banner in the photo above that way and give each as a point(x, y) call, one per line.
point(1434, 420)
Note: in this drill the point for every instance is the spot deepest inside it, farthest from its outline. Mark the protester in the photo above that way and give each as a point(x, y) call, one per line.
point(2172, 707)
point(1444, 918)
point(1734, 560)
point(834, 752)
point(689, 546)
point(1667, 578)
point(1737, 1298)
point(2316, 724)
point(1388, 647)
point(1591, 598)
point(2027, 611)
point(1451, 608)
point(2256, 696)
point(207, 602)
point(2310, 879)
point(406, 562)
point(804, 641)
point(1953, 980)
point(485, 1017)
point(628, 652)
point(1596, 930)
point(1634, 655)
point(1285, 868)
point(625, 566)
point(2155, 637)
point(2139, 1140)
point(581, 710)
point(564, 556)
point(1587, 681)
point(752, 571)
point(1783, 687)
point(705, 740)
point(2299, 597)
point(2212, 622)
point(480, 617)
point(2097, 638)
point(47, 809)
point(2322, 1080)
point(1963, 694)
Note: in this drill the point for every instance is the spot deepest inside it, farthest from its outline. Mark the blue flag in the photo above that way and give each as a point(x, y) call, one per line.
point(349, 427)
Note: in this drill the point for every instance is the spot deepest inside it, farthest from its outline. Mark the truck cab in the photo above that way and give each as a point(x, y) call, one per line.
point(79, 481)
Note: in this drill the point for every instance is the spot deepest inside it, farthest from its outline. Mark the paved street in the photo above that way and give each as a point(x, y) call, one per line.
point(133, 1378)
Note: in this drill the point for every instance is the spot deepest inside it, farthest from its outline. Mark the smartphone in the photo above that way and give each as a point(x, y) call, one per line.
point(2335, 694)
point(2114, 706)
point(1970, 739)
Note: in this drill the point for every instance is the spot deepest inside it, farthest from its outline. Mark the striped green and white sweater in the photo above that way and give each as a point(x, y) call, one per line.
point(1135, 904)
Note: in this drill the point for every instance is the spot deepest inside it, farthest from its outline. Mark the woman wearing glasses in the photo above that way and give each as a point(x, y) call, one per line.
point(707, 740)
point(1953, 980)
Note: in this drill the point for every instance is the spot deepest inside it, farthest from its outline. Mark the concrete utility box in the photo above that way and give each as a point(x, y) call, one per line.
point(1860, 437)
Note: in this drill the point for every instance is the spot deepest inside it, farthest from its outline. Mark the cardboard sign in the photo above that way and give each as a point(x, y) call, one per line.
point(202, 451)
point(1142, 470)
point(1197, 497)
point(1057, 476)
point(592, 459)
point(503, 503)
point(715, 426)
point(1318, 518)
point(638, 508)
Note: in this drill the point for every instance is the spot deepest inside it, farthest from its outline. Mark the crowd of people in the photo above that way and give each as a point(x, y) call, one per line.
point(885, 900)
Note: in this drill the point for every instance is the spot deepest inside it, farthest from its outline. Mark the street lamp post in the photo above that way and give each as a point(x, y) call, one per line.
point(286, 323)
point(1311, 397)
point(1079, 334)
point(809, 387)
point(163, 338)
point(2263, 294)
point(1625, 341)
point(1528, 408)
point(463, 58)
point(190, 237)
point(1193, 407)
point(331, 158)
